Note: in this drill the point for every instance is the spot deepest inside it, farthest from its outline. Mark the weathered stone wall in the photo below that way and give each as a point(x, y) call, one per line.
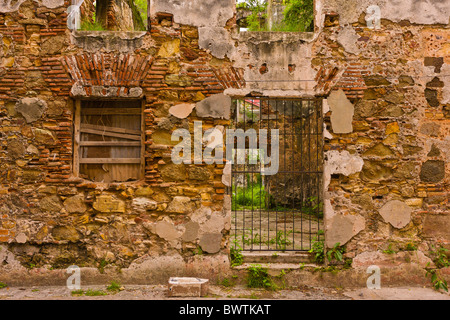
point(387, 167)
point(51, 218)
point(386, 172)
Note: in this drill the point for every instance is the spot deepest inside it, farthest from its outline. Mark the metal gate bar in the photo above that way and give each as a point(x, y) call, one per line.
point(284, 211)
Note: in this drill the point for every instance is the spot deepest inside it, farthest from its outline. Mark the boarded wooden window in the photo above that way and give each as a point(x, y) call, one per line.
point(109, 141)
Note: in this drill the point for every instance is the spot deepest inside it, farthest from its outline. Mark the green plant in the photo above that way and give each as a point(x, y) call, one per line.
point(141, 5)
point(77, 292)
point(281, 240)
point(89, 293)
point(336, 252)
point(410, 246)
point(299, 15)
point(252, 197)
point(255, 21)
point(313, 207)
point(389, 250)
point(102, 264)
point(198, 251)
point(249, 240)
point(440, 257)
point(282, 278)
point(440, 260)
point(437, 282)
point(3, 285)
point(250, 116)
point(348, 263)
point(94, 293)
point(114, 287)
point(236, 256)
point(258, 277)
point(318, 248)
point(226, 282)
point(87, 25)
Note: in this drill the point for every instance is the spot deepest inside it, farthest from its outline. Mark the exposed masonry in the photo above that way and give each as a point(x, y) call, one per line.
point(387, 126)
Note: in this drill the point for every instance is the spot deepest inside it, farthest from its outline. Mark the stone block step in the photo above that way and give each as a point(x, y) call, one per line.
point(276, 266)
point(277, 257)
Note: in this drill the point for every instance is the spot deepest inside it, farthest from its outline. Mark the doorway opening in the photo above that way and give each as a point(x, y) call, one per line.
point(280, 211)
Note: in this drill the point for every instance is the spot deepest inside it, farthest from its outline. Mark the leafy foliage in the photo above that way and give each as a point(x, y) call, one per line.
point(436, 280)
point(87, 25)
point(333, 254)
point(440, 258)
point(139, 14)
point(299, 15)
point(318, 248)
point(336, 252)
point(236, 256)
point(89, 293)
point(114, 287)
point(281, 240)
point(258, 277)
point(258, 14)
point(253, 196)
point(440, 261)
point(313, 207)
point(389, 250)
point(94, 293)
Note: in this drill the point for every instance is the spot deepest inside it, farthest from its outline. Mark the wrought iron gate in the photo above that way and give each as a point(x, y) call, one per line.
point(283, 211)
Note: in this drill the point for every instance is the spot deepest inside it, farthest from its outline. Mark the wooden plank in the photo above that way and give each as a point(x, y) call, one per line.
point(107, 160)
point(76, 147)
point(110, 129)
point(101, 111)
point(112, 134)
point(142, 168)
point(110, 144)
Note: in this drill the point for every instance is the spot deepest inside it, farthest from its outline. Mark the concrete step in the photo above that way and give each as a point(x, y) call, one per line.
point(276, 266)
point(259, 257)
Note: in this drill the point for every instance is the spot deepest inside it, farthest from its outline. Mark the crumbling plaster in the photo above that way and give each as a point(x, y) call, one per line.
point(342, 112)
point(277, 61)
point(340, 228)
point(415, 11)
point(197, 13)
point(250, 51)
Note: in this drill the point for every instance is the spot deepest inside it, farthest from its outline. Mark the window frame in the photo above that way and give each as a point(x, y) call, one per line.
point(77, 146)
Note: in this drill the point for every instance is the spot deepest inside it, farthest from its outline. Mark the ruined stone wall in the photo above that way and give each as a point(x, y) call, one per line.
point(386, 172)
point(50, 218)
point(387, 154)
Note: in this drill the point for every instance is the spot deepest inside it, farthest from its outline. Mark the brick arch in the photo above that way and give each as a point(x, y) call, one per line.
point(106, 71)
